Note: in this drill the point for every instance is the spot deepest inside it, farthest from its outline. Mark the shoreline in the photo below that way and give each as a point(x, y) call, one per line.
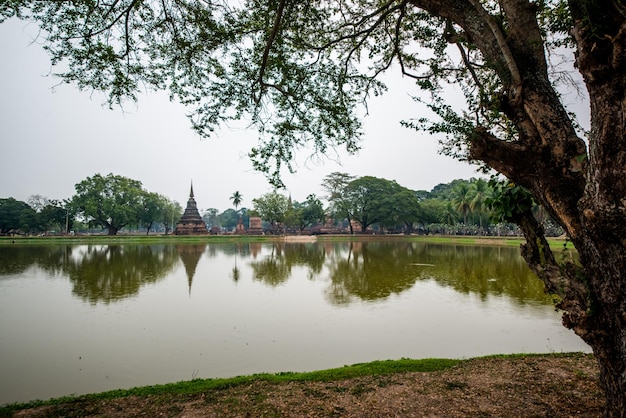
point(555, 242)
point(552, 384)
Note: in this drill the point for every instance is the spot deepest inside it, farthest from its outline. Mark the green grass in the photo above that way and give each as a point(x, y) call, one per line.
point(195, 386)
point(133, 239)
point(375, 368)
point(555, 243)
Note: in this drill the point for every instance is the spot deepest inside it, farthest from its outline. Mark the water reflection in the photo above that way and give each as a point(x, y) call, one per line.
point(98, 273)
point(371, 271)
point(483, 271)
point(108, 273)
point(366, 271)
point(16, 259)
point(276, 267)
point(190, 256)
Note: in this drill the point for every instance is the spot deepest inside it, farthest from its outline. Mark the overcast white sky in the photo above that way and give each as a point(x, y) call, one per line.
point(52, 138)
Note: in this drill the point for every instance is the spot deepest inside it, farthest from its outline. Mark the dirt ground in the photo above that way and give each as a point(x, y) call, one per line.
point(534, 386)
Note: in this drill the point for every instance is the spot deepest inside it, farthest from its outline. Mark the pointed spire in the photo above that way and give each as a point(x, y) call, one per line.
point(191, 222)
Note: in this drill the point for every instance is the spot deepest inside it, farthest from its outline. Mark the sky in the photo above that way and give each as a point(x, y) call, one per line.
point(54, 136)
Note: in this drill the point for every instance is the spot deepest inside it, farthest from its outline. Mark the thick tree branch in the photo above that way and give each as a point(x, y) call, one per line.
point(562, 280)
point(515, 91)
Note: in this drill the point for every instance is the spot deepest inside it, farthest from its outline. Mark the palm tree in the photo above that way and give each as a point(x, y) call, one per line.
point(237, 198)
point(480, 191)
point(449, 215)
point(462, 201)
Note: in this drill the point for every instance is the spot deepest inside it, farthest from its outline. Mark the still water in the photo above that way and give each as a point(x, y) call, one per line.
point(77, 319)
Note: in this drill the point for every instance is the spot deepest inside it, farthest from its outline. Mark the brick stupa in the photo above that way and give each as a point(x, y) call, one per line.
point(191, 222)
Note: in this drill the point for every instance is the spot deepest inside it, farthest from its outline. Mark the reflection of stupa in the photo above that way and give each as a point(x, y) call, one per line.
point(190, 255)
point(191, 222)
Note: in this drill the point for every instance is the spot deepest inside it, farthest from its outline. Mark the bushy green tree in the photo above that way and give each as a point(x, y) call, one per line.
point(305, 214)
point(54, 215)
point(335, 185)
point(210, 217)
point(371, 200)
point(172, 211)
point(51, 214)
point(229, 218)
point(158, 209)
point(110, 202)
point(272, 207)
point(16, 216)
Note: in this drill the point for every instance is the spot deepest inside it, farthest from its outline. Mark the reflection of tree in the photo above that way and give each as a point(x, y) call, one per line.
point(371, 270)
point(15, 259)
point(112, 272)
point(275, 268)
point(483, 271)
point(374, 270)
point(235, 248)
point(190, 255)
point(235, 273)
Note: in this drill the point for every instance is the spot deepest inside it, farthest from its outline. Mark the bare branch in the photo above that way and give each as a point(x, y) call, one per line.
point(270, 41)
point(125, 12)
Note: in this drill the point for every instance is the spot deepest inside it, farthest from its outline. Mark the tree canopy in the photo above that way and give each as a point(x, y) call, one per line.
point(113, 202)
point(16, 215)
point(300, 72)
point(272, 207)
point(40, 215)
point(371, 200)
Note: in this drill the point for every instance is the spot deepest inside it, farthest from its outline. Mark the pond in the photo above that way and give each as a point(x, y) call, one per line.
point(79, 319)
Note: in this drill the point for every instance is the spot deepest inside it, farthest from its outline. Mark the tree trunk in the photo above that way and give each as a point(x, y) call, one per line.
point(581, 185)
point(112, 230)
point(604, 325)
point(608, 341)
point(592, 299)
point(350, 223)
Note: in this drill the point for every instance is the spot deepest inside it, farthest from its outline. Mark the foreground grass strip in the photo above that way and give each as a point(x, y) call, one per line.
point(375, 368)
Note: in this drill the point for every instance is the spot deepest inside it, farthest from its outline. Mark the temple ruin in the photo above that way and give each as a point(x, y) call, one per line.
point(191, 223)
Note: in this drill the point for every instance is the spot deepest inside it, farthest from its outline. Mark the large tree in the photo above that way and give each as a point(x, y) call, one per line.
point(157, 209)
point(110, 202)
point(335, 185)
point(305, 214)
point(272, 207)
point(299, 71)
point(371, 200)
point(54, 215)
point(16, 216)
point(172, 211)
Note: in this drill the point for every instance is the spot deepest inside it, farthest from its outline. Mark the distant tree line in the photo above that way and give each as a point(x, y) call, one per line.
point(355, 205)
point(374, 205)
point(461, 207)
point(42, 215)
point(280, 214)
point(101, 202)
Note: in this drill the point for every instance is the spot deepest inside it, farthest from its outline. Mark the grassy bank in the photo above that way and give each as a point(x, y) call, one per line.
point(375, 368)
point(354, 375)
point(133, 239)
point(555, 243)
